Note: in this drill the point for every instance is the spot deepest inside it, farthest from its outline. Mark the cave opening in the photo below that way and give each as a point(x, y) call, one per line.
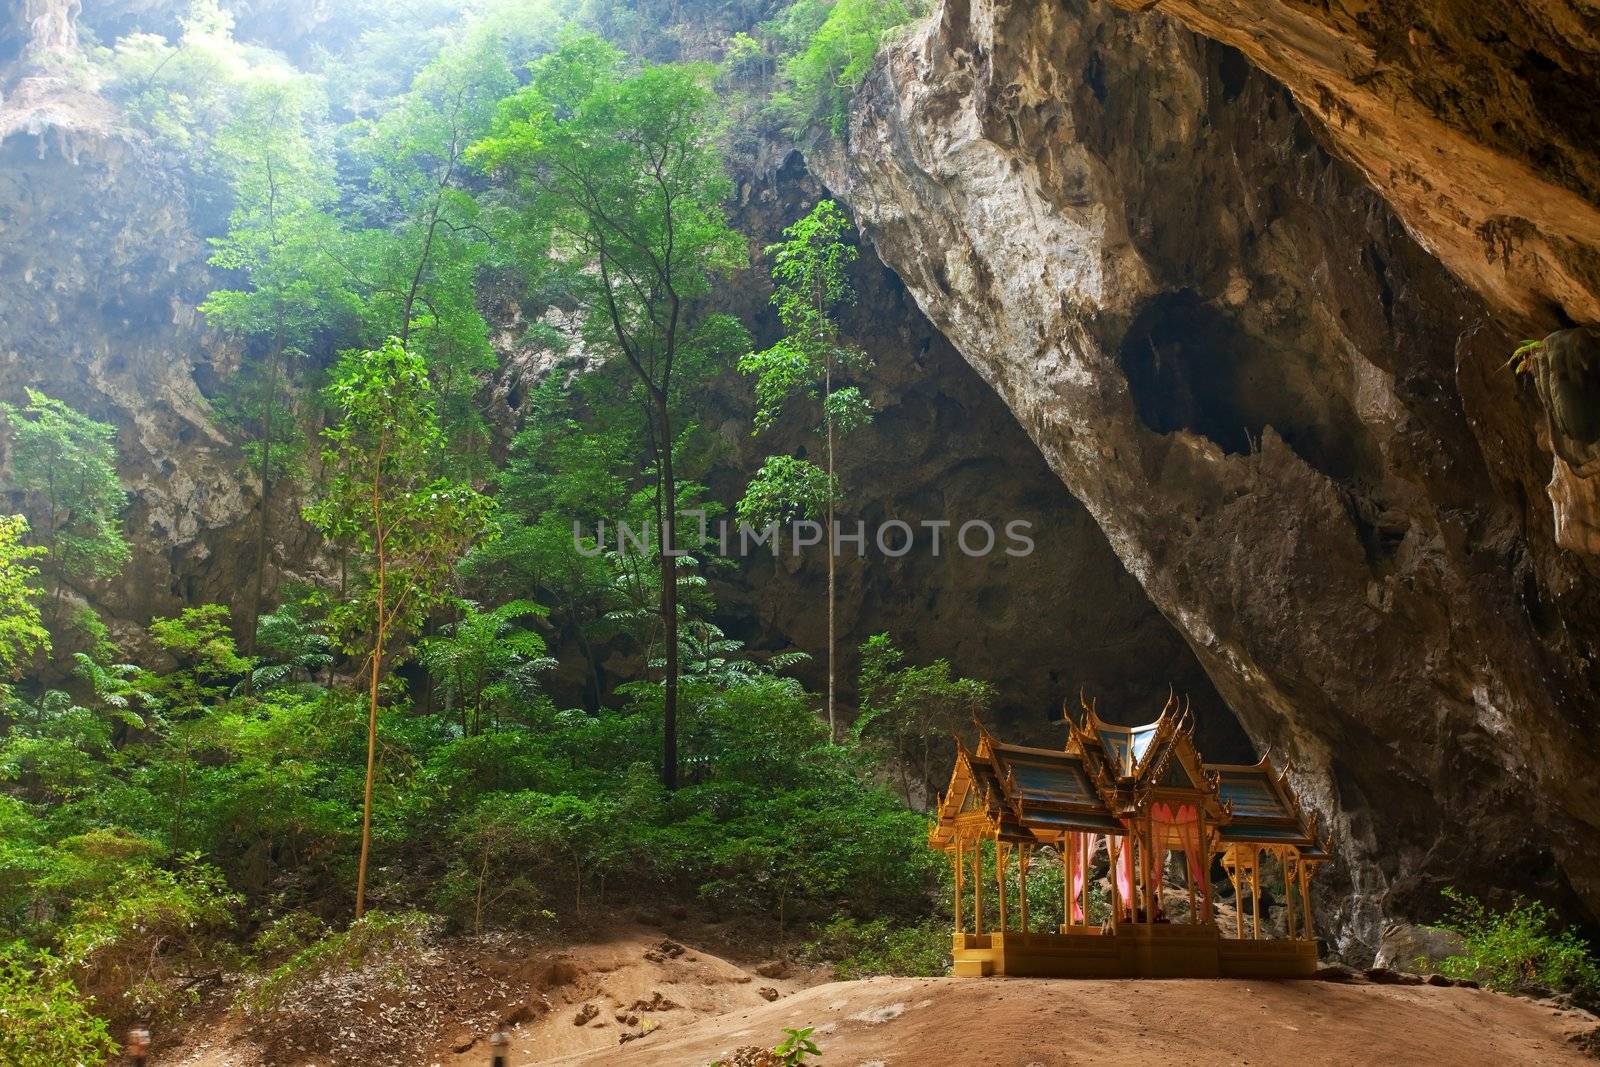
point(1180, 361)
point(1192, 367)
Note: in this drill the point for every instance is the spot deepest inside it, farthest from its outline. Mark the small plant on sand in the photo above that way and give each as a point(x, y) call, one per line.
point(793, 1051)
point(1517, 948)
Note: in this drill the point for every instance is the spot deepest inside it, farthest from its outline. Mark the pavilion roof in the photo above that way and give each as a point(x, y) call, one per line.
point(1108, 773)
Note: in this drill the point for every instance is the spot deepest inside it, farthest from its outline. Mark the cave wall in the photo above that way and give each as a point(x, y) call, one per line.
point(1287, 415)
point(1064, 619)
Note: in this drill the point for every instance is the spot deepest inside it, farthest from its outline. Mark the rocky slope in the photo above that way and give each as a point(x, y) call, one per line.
point(1286, 414)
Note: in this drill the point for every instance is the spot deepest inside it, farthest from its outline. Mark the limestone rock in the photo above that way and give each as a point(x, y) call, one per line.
point(1413, 947)
point(1292, 423)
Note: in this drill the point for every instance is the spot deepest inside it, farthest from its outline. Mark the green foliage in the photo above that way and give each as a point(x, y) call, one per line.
point(484, 662)
point(387, 501)
point(1519, 947)
point(909, 712)
point(65, 464)
point(617, 195)
point(784, 489)
point(129, 943)
point(183, 92)
point(832, 60)
point(43, 1021)
point(861, 949)
point(22, 632)
point(796, 1046)
point(392, 939)
point(811, 277)
point(290, 645)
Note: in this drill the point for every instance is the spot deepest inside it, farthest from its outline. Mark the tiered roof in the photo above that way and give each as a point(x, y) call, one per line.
point(1109, 773)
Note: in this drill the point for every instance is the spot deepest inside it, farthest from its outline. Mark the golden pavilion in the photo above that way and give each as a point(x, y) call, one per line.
point(1127, 798)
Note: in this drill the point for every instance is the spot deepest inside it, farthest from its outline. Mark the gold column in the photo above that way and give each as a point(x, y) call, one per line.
point(1069, 864)
point(1308, 931)
point(1288, 899)
point(1085, 860)
point(1002, 859)
point(1236, 876)
point(1112, 852)
point(1255, 892)
point(1024, 856)
point(977, 887)
point(959, 862)
point(1152, 874)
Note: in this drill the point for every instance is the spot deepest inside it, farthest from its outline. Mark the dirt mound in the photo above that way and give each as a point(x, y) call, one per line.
point(956, 1022)
point(608, 996)
point(437, 1006)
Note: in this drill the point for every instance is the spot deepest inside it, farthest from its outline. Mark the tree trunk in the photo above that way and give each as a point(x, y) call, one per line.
point(372, 695)
point(669, 601)
point(827, 394)
point(268, 410)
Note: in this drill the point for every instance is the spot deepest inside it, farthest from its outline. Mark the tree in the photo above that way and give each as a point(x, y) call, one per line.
point(811, 275)
point(481, 658)
point(621, 177)
point(22, 632)
point(835, 45)
point(66, 464)
point(279, 237)
point(909, 712)
point(387, 500)
point(419, 254)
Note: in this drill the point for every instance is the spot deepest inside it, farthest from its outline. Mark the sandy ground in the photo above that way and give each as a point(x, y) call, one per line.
point(890, 1022)
point(638, 984)
point(638, 999)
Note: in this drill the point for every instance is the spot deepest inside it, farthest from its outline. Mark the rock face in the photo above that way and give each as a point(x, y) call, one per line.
point(1476, 122)
point(943, 448)
point(99, 278)
point(1287, 416)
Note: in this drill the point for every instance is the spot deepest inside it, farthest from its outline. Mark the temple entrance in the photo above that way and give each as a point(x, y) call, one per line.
point(1116, 812)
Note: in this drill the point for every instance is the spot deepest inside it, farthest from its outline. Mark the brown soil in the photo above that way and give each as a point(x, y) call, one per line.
point(996, 1022)
point(643, 999)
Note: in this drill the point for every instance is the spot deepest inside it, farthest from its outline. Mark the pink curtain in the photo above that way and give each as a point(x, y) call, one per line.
point(1189, 833)
point(1185, 823)
point(1124, 876)
point(1075, 844)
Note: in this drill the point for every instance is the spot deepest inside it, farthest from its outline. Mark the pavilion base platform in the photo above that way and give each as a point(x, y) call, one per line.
point(1133, 950)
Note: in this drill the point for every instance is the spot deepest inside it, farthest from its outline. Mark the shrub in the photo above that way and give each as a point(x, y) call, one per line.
point(43, 1020)
point(130, 944)
point(863, 949)
point(377, 936)
point(1518, 947)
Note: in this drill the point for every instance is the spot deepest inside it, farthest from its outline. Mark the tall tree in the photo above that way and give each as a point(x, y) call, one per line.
point(66, 465)
point(279, 239)
point(618, 176)
point(811, 276)
point(419, 253)
point(387, 499)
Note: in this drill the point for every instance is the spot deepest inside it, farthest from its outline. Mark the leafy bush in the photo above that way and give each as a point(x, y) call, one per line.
point(377, 936)
point(1517, 948)
point(878, 946)
point(43, 1021)
point(131, 944)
